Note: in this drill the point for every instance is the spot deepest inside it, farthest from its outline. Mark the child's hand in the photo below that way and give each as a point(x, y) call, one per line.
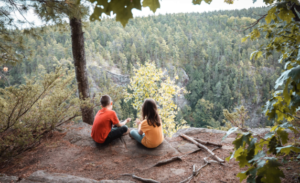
point(138, 121)
point(127, 120)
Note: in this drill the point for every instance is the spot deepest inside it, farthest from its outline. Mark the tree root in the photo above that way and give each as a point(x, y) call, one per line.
point(167, 161)
point(141, 179)
point(202, 146)
point(208, 143)
point(173, 159)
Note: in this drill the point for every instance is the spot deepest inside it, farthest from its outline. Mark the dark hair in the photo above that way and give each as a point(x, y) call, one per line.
point(105, 100)
point(149, 111)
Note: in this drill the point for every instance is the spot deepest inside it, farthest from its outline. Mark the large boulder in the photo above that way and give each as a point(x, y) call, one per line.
point(8, 179)
point(41, 176)
point(80, 134)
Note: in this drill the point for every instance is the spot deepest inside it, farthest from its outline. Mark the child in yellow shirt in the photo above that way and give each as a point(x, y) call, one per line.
point(149, 132)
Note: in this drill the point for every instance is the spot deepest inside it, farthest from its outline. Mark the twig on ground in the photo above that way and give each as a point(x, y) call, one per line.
point(210, 161)
point(140, 178)
point(190, 177)
point(202, 146)
point(208, 143)
point(196, 172)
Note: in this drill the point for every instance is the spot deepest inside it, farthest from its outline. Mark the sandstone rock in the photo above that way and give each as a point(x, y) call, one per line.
point(228, 147)
point(184, 146)
point(43, 177)
point(136, 149)
point(195, 131)
point(260, 131)
point(132, 148)
point(228, 140)
point(8, 179)
point(80, 134)
point(178, 172)
point(115, 181)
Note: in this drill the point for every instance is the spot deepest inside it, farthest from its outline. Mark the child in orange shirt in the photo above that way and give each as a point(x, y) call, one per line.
point(149, 132)
point(102, 131)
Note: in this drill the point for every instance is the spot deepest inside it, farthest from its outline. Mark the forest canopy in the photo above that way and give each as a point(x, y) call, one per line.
point(205, 46)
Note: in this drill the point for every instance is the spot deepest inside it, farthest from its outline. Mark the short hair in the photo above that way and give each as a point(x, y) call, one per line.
point(105, 100)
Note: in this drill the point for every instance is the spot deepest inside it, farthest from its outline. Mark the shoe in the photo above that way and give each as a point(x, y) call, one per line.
point(126, 133)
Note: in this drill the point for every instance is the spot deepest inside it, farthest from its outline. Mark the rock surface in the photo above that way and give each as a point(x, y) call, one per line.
point(184, 146)
point(82, 160)
point(7, 179)
point(195, 131)
point(44, 177)
point(80, 134)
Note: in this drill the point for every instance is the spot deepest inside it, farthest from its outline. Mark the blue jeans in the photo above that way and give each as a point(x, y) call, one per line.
point(135, 134)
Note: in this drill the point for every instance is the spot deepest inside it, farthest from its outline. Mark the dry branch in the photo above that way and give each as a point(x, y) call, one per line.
point(195, 172)
point(142, 179)
point(173, 159)
point(167, 161)
point(208, 143)
point(210, 161)
point(190, 177)
point(202, 146)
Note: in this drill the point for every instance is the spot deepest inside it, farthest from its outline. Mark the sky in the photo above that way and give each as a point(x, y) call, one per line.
point(174, 6)
point(186, 6)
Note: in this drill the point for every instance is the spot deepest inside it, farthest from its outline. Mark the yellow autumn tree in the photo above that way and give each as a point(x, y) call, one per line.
point(151, 82)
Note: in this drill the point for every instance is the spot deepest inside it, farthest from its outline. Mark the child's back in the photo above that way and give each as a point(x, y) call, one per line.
point(103, 122)
point(153, 135)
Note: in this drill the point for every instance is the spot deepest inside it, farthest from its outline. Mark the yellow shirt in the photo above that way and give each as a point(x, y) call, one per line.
point(153, 135)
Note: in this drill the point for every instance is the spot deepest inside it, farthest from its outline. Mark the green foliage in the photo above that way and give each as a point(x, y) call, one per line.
point(123, 109)
point(29, 111)
point(202, 57)
point(283, 36)
point(249, 151)
point(122, 9)
point(150, 82)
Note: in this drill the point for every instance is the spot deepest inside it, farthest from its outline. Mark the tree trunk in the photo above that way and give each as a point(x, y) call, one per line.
point(80, 67)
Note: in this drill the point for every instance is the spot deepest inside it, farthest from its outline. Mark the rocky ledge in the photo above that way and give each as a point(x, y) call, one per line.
point(79, 136)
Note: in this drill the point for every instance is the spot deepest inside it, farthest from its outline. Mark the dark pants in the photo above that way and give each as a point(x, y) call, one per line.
point(115, 133)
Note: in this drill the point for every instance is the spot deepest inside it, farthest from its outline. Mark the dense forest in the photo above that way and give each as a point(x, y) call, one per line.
point(207, 46)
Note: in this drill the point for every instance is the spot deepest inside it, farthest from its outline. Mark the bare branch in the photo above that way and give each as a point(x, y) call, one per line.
point(202, 146)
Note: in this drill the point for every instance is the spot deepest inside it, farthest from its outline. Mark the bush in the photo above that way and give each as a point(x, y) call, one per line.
point(29, 111)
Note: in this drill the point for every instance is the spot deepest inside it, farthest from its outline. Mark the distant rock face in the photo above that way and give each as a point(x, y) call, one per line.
point(97, 74)
point(254, 111)
point(44, 177)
